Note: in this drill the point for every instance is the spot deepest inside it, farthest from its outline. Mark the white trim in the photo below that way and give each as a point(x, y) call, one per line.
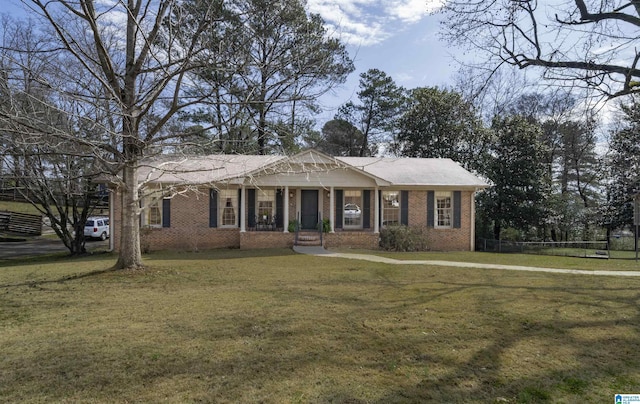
point(443, 194)
point(242, 208)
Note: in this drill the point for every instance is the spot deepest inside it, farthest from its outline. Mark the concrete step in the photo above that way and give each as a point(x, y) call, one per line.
point(309, 239)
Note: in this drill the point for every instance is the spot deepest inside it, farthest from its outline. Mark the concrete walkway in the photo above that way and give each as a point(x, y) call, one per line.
point(319, 251)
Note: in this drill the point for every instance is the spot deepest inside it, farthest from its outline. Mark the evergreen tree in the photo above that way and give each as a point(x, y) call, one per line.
point(515, 169)
point(623, 170)
point(380, 102)
point(440, 123)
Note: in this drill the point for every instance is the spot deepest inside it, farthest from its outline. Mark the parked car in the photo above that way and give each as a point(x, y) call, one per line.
point(351, 210)
point(97, 227)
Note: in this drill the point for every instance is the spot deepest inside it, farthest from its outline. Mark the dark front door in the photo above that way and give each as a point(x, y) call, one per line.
point(309, 214)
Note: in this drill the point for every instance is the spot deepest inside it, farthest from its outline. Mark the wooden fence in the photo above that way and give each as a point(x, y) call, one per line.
point(20, 223)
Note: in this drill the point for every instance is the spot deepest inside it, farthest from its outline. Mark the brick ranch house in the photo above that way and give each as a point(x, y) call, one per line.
point(250, 201)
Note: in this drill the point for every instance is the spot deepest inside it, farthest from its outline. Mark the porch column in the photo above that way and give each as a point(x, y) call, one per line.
point(376, 209)
point(243, 213)
point(332, 210)
point(285, 219)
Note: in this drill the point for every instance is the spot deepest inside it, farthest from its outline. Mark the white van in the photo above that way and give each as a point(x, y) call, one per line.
point(97, 227)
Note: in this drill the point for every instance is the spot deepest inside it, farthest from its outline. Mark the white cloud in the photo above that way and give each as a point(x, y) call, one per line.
point(411, 11)
point(369, 22)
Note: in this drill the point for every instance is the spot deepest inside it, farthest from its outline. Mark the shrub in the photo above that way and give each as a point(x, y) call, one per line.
point(403, 238)
point(293, 226)
point(326, 226)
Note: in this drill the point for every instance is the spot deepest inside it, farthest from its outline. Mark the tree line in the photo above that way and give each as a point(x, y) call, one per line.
point(556, 173)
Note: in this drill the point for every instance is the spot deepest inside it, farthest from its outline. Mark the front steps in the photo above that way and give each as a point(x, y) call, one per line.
point(309, 239)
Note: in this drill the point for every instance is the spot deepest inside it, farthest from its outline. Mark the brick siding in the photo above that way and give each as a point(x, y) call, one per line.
point(352, 239)
point(190, 229)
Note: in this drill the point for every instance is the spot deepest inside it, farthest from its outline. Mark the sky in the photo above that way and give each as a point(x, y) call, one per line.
point(399, 37)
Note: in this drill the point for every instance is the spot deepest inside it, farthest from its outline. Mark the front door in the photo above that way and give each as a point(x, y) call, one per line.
point(309, 211)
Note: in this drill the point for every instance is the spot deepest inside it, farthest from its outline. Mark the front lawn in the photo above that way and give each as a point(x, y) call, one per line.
point(235, 326)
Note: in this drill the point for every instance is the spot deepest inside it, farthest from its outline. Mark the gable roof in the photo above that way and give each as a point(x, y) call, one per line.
point(386, 171)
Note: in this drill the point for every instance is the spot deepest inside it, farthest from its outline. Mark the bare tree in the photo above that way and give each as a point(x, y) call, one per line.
point(55, 176)
point(589, 44)
point(142, 70)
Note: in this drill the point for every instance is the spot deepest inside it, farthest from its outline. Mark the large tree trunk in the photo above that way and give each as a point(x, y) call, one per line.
point(130, 254)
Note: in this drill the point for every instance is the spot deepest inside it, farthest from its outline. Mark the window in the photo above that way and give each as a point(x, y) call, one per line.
point(352, 214)
point(228, 199)
point(444, 209)
point(154, 214)
point(390, 208)
point(265, 201)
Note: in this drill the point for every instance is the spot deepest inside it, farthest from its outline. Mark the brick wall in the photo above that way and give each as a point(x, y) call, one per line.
point(190, 228)
point(453, 239)
point(352, 239)
point(266, 239)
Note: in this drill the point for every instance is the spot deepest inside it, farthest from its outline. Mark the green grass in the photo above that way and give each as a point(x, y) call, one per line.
point(270, 326)
point(19, 207)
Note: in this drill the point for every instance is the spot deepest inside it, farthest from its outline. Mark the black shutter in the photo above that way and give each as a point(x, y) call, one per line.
point(430, 208)
point(251, 201)
point(404, 208)
point(280, 209)
point(457, 201)
point(166, 213)
point(338, 193)
point(366, 209)
point(239, 207)
point(213, 208)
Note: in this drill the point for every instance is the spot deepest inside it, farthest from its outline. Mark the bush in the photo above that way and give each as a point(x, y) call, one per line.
point(403, 238)
point(326, 226)
point(293, 226)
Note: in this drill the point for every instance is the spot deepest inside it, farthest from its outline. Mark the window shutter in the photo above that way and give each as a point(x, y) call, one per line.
point(280, 209)
point(213, 208)
point(457, 202)
point(366, 209)
point(431, 196)
point(339, 194)
point(251, 201)
point(166, 213)
point(404, 208)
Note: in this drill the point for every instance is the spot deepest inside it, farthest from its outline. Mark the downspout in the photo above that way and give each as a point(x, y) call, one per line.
point(472, 242)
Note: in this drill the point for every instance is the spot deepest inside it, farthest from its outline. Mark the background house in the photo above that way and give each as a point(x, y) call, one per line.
point(242, 201)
